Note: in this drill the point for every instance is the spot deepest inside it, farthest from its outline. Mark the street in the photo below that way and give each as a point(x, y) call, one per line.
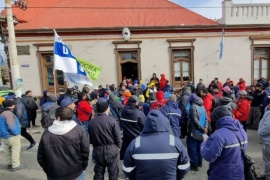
point(34, 171)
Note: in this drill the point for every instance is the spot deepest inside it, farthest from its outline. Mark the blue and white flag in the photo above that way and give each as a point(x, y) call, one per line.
point(66, 62)
point(221, 45)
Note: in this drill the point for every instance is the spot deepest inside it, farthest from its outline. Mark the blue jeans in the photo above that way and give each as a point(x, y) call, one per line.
point(85, 126)
point(194, 151)
point(81, 177)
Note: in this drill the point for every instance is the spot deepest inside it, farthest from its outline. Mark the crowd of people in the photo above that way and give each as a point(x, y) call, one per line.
point(141, 124)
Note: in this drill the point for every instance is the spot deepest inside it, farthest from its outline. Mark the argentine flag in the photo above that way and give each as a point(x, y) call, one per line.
point(66, 62)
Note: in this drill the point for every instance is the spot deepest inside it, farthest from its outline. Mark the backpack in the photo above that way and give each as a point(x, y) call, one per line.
point(48, 117)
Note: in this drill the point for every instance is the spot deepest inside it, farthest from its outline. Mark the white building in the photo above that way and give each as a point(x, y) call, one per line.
point(165, 38)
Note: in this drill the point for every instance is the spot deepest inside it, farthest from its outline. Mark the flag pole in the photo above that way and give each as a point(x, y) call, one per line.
point(54, 70)
point(55, 80)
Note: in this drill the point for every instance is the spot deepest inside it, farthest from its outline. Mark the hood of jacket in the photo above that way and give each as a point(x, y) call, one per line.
point(155, 122)
point(61, 127)
point(186, 92)
point(160, 95)
point(46, 106)
point(45, 93)
point(172, 104)
point(229, 123)
point(163, 76)
point(130, 108)
point(198, 101)
point(18, 100)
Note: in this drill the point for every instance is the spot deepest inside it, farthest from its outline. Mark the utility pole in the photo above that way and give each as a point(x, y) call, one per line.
point(15, 68)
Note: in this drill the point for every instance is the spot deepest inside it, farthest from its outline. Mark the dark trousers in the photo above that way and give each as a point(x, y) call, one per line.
point(106, 156)
point(184, 125)
point(27, 136)
point(32, 115)
point(194, 151)
point(244, 123)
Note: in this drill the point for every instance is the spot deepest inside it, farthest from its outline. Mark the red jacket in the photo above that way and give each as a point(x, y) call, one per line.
point(243, 108)
point(220, 86)
point(84, 109)
point(207, 103)
point(242, 85)
point(162, 82)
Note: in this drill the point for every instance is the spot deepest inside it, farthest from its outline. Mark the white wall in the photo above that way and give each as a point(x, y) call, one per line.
point(235, 64)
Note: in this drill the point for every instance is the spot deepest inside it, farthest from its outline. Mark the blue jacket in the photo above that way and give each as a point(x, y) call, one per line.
point(168, 89)
point(44, 98)
point(197, 119)
point(155, 154)
point(222, 150)
point(9, 124)
point(173, 113)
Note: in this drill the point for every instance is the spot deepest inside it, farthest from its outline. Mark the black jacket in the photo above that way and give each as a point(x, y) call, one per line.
point(20, 112)
point(63, 150)
point(133, 122)
point(29, 103)
point(104, 130)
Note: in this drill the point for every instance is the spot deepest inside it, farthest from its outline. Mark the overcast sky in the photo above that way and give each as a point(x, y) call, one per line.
point(211, 12)
point(199, 6)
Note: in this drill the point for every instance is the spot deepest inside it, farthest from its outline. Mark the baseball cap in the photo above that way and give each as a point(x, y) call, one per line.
point(68, 101)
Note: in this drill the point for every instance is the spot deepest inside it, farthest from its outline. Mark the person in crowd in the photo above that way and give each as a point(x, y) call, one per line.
point(162, 82)
point(199, 87)
point(64, 148)
point(241, 84)
point(114, 90)
point(31, 107)
point(184, 106)
point(212, 86)
point(94, 98)
point(105, 136)
point(235, 89)
point(122, 90)
point(154, 79)
point(127, 95)
point(70, 94)
point(173, 113)
point(220, 86)
point(243, 108)
point(168, 88)
point(60, 95)
point(48, 111)
point(151, 93)
point(43, 99)
point(208, 100)
point(227, 83)
point(75, 92)
point(222, 148)
point(251, 91)
point(160, 102)
point(10, 135)
point(192, 87)
point(264, 134)
point(136, 90)
point(114, 105)
point(83, 110)
point(68, 102)
point(21, 114)
point(86, 90)
point(198, 126)
point(217, 92)
point(133, 120)
point(156, 154)
point(255, 110)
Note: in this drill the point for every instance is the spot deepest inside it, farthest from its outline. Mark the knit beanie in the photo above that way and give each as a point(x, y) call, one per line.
point(8, 103)
point(160, 95)
point(220, 112)
point(102, 106)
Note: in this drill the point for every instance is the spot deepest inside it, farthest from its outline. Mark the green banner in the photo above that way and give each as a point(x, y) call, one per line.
point(92, 70)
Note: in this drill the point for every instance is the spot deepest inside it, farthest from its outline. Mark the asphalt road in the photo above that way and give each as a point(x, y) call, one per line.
point(34, 171)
